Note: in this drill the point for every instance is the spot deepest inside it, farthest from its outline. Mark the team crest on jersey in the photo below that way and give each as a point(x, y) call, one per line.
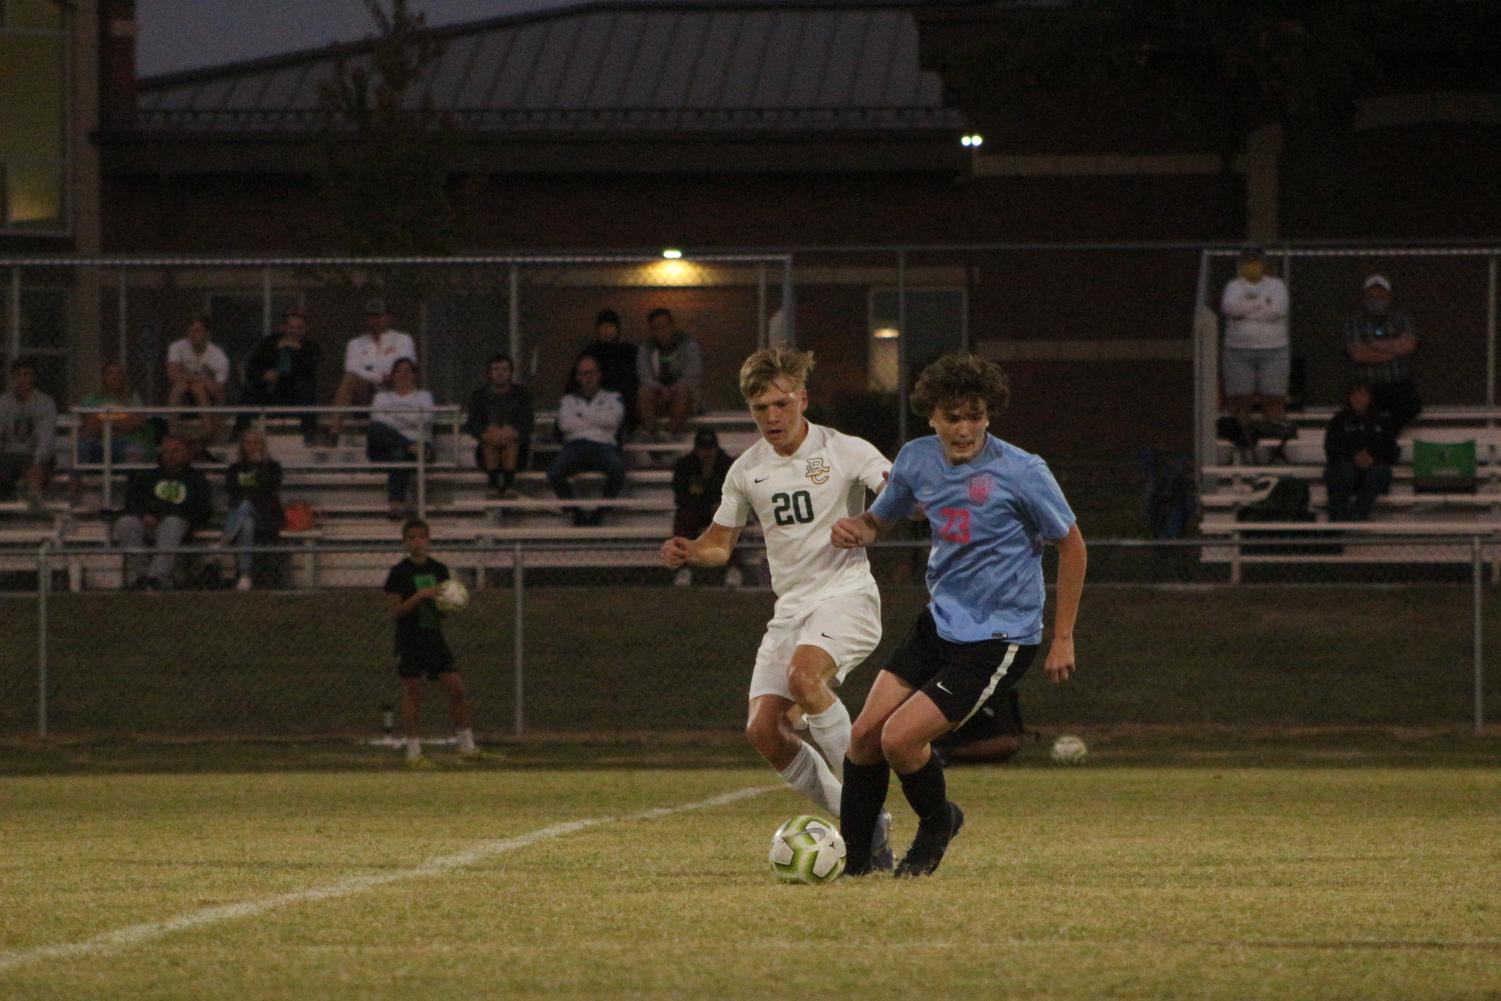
point(979, 488)
point(818, 471)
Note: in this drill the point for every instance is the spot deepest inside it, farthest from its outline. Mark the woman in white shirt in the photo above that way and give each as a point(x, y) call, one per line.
point(401, 421)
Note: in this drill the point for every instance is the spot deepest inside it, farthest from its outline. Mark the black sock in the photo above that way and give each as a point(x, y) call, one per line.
point(927, 791)
point(493, 477)
point(860, 803)
point(507, 477)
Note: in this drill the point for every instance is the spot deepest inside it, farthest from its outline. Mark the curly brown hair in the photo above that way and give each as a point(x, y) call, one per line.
point(771, 365)
point(960, 378)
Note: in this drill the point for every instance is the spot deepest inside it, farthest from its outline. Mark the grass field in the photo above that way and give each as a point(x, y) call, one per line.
point(1112, 880)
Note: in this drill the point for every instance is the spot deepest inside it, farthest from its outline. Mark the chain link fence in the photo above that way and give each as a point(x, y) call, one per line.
point(459, 311)
point(595, 640)
point(1450, 294)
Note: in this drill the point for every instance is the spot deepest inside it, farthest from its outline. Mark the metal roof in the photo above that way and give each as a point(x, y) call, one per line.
point(613, 67)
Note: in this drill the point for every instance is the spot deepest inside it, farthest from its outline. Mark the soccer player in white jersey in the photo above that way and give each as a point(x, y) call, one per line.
point(992, 506)
point(799, 479)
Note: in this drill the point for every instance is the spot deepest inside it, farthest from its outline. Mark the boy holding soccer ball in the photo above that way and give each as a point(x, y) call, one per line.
point(992, 506)
point(412, 588)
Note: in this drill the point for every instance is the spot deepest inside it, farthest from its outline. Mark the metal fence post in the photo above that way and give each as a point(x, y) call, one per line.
point(1490, 332)
point(903, 335)
point(518, 587)
point(43, 585)
point(1478, 638)
point(422, 447)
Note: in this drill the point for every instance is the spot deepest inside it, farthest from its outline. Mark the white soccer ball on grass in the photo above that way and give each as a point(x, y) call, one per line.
point(453, 596)
point(1069, 750)
point(807, 849)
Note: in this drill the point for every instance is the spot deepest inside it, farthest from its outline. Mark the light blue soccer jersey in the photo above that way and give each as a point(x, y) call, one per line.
point(990, 517)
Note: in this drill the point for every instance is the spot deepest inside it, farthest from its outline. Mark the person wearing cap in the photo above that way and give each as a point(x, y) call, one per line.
point(1257, 356)
point(1381, 343)
point(697, 487)
point(368, 360)
point(617, 362)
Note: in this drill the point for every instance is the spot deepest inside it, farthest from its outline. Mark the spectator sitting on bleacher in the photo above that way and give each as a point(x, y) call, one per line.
point(283, 372)
point(28, 428)
point(1380, 343)
point(163, 506)
point(254, 485)
point(589, 420)
point(1257, 357)
point(671, 368)
point(368, 361)
point(500, 419)
point(197, 374)
point(1360, 447)
point(617, 359)
point(130, 437)
point(400, 421)
point(697, 488)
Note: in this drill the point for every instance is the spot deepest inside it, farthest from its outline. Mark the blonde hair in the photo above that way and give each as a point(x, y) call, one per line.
point(769, 366)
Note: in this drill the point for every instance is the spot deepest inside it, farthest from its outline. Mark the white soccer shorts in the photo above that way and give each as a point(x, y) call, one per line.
point(847, 626)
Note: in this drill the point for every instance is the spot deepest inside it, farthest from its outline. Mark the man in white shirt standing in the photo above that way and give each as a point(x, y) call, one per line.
point(589, 419)
point(799, 479)
point(197, 373)
point(1257, 357)
point(368, 359)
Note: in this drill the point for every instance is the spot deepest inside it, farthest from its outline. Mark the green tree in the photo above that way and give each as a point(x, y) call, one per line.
point(387, 151)
point(1212, 68)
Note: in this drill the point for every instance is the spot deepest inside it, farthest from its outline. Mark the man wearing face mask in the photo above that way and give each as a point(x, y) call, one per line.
point(1381, 344)
point(1256, 358)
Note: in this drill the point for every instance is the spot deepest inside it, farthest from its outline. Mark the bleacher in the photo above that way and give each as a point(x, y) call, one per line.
point(349, 493)
point(1241, 477)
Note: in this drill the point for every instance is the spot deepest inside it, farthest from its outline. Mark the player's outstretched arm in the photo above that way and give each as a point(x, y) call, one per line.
point(1073, 558)
point(852, 533)
point(712, 549)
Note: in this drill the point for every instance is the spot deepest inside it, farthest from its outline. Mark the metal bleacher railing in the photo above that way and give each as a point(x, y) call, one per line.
point(451, 417)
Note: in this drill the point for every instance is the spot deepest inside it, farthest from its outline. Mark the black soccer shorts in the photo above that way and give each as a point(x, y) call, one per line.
point(959, 677)
point(429, 663)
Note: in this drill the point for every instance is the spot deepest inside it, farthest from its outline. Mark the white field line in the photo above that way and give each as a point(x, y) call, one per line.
point(124, 938)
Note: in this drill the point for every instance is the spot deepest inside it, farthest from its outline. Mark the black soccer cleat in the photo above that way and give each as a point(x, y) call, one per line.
point(928, 846)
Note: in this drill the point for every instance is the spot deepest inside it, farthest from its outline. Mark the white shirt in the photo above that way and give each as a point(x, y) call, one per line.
point(373, 360)
point(596, 419)
point(213, 364)
point(404, 413)
point(1255, 313)
point(797, 499)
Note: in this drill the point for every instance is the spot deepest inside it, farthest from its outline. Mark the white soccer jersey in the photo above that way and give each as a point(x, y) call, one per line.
point(797, 499)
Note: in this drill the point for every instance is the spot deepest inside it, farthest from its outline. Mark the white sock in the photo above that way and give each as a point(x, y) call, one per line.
point(414, 747)
point(466, 741)
point(831, 732)
point(809, 774)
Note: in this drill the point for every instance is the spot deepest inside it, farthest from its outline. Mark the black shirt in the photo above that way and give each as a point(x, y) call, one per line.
point(421, 629)
point(695, 488)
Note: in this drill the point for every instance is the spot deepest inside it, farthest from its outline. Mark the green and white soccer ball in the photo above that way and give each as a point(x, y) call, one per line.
point(1069, 750)
point(453, 596)
point(807, 850)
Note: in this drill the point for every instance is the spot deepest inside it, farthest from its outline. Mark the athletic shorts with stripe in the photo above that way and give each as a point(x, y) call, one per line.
point(959, 677)
point(847, 627)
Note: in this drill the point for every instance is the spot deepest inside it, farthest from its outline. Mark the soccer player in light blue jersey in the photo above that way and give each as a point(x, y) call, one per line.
point(992, 508)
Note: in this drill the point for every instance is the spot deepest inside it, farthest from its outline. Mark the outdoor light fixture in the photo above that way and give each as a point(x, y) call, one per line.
point(972, 139)
point(885, 333)
point(672, 254)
